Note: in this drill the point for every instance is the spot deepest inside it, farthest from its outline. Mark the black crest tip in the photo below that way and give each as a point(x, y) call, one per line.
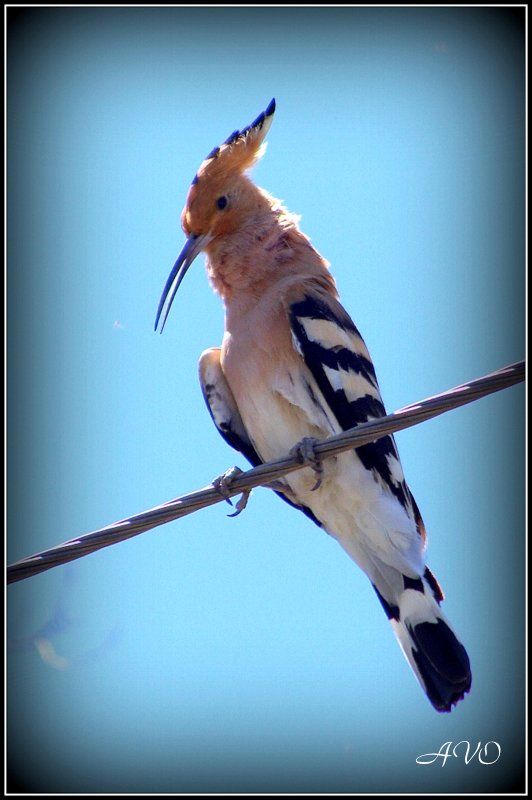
point(271, 108)
point(233, 137)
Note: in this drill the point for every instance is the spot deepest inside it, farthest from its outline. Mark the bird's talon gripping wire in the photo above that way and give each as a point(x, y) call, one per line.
point(305, 453)
point(222, 485)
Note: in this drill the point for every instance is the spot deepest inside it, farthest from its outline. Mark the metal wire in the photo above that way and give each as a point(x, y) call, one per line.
point(266, 473)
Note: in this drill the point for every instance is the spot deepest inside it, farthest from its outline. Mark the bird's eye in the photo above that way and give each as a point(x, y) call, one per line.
point(221, 202)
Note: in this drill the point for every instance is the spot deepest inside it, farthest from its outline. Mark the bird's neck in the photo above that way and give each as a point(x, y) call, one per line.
point(244, 265)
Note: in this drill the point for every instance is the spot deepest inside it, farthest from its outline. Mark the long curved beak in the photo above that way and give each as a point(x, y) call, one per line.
point(192, 248)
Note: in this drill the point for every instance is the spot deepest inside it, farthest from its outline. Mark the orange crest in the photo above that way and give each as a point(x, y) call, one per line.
point(239, 151)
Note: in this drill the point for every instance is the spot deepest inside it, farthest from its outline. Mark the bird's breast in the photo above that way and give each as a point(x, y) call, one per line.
point(273, 389)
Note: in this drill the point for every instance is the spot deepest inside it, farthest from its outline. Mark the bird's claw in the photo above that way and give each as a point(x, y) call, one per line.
point(222, 485)
point(305, 453)
point(241, 504)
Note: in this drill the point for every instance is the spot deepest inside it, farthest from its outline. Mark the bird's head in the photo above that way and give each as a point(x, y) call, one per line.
point(220, 198)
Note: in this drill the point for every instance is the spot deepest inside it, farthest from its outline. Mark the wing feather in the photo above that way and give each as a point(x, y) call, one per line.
point(222, 406)
point(337, 357)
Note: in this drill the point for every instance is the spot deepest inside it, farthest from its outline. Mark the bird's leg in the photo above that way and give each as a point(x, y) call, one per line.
point(306, 454)
point(222, 485)
point(282, 487)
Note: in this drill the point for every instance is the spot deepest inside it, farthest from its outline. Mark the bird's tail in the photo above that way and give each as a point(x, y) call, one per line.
point(439, 661)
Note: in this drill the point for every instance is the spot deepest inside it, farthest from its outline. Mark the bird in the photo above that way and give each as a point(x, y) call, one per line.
point(293, 369)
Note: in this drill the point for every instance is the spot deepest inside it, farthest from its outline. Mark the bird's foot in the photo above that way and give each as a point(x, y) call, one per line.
point(305, 453)
point(222, 485)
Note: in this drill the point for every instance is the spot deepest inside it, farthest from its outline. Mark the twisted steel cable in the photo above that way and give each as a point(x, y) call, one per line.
point(266, 473)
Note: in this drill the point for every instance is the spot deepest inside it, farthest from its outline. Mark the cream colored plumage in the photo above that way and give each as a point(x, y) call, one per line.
point(292, 365)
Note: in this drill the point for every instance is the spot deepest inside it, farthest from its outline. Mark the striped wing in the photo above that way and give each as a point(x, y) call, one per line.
point(335, 354)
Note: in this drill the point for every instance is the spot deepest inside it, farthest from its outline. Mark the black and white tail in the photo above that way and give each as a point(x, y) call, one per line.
point(439, 661)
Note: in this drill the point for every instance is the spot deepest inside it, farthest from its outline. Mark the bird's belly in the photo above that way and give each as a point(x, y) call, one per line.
point(350, 503)
point(347, 488)
point(275, 425)
point(345, 497)
point(367, 521)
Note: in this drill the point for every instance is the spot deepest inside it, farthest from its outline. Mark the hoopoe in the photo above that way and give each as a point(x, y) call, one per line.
point(293, 368)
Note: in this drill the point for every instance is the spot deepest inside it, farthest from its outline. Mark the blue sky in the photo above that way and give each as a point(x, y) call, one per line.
point(250, 654)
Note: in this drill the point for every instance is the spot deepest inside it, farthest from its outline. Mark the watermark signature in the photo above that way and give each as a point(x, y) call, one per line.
point(488, 753)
